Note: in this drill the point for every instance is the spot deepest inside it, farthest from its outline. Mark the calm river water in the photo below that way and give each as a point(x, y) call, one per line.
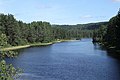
point(74, 60)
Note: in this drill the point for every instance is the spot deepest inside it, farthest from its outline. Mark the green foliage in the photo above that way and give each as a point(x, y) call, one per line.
point(98, 34)
point(109, 35)
point(76, 31)
point(20, 33)
point(8, 72)
point(3, 44)
point(3, 41)
point(112, 36)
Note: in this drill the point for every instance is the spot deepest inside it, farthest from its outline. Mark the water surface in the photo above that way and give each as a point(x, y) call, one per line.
point(74, 60)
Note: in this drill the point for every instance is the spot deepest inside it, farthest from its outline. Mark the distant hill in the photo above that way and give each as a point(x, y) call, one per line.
point(89, 26)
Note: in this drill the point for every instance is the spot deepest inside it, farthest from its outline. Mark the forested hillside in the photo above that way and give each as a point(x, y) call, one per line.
point(19, 33)
point(81, 30)
point(109, 35)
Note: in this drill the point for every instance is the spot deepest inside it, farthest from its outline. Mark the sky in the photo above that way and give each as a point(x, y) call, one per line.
point(61, 11)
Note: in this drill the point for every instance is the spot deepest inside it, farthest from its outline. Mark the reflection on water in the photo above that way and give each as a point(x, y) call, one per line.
point(110, 52)
point(76, 60)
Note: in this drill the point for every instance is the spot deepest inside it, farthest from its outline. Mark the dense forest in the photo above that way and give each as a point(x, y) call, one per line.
point(20, 33)
point(81, 30)
point(109, 35)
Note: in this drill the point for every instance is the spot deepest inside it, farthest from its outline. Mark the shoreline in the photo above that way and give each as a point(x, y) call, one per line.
point(32, 45)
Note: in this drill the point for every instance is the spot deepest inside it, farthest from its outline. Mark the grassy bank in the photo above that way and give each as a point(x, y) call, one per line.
point(14, 48)
point(31, 45)
point(25, 46)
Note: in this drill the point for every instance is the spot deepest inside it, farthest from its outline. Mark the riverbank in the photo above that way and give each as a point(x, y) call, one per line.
point(32, 45)
point(111, 50)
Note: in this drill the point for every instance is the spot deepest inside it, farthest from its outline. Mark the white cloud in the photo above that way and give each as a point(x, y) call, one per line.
point(116, 0)
point(92, 17)
point(86, 16)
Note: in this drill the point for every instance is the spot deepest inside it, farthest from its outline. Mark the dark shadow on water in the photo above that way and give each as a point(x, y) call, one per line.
point(110, 52)
point(98, 46)
point(113, 54)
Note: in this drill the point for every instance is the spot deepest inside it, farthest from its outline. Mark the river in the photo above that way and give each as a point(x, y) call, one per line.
point(73, 60)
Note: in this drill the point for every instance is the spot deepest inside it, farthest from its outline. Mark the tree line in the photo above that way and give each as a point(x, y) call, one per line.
point(20, 33)
point(81, 30)
point(109, 35)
